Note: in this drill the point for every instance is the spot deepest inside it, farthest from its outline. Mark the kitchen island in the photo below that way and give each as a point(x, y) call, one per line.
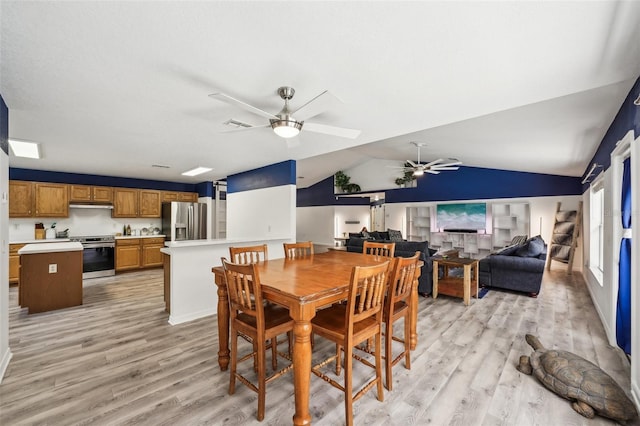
point(50, 276)
point(190, 290)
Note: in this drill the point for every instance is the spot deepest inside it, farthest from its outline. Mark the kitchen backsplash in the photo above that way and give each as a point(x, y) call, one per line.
point(81, 222)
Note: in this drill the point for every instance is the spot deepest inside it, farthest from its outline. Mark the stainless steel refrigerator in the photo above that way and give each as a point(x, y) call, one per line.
point(184, 221)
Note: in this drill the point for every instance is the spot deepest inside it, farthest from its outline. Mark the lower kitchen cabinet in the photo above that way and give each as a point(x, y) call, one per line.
point(128, 254)
point(14, 263)
point(138, 253)
point(151, 256)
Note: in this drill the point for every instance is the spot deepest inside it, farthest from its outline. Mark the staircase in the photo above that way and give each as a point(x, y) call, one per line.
point(564, 238)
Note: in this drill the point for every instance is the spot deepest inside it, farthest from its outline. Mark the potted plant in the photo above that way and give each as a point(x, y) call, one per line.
point(407, 178)
point(342, 182)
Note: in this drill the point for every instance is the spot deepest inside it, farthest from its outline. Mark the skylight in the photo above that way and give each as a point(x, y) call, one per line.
point(25, 149)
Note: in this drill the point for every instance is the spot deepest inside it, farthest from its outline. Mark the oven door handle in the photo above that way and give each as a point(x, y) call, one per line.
point(98, 245)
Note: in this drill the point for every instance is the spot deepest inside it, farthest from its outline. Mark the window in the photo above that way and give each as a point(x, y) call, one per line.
point(596, 223)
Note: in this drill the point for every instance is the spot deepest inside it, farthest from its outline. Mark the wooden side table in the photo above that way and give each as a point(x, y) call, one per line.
point(464, 287)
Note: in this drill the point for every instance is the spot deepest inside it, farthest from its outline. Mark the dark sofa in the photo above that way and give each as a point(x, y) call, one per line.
point(519, 267)
point(403, 249)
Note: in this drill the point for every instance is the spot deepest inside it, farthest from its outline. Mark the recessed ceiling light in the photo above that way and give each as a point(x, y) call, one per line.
point(25, 149)
point(197, 171)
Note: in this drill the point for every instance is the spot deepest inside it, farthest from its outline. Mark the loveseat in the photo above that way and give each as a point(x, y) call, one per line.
point(518, 267)
point(402, 249)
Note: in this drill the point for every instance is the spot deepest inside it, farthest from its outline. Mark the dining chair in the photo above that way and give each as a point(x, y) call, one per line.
point(251, 317)
point(379, 249)
point(350, 324)
point(249, 254)
point(397, 305)
point(298, 250)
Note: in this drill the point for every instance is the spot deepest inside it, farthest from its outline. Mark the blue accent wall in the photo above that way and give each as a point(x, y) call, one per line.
point(628, 118)
point(205, 189)
point(4, 126)
point(321, 194)
point(467, 183)
point(82, 179)
point(278, 174)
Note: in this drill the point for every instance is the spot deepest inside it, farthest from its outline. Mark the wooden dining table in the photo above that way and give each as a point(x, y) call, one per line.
point(303, 285)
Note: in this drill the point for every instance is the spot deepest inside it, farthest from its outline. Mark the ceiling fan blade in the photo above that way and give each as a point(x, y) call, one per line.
point(444, 168)
point(433, 163)
point(453, 163)
point(331, 130)
point(433, 172)
point(241, 126)
point(233, 101)
point(321, 103)
point(412, 163)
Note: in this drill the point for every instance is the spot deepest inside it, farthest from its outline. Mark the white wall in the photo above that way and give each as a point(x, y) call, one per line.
point(343, 214)
point(80, 222)
point(262, 213)
point(5, 351)
point(315, 224)
point(386, 172)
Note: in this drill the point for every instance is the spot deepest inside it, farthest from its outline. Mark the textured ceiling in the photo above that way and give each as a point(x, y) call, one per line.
point(112, 88)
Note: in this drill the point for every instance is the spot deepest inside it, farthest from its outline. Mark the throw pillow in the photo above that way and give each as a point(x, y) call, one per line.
point(533, 247)
point(366, 235)
point(394, 236)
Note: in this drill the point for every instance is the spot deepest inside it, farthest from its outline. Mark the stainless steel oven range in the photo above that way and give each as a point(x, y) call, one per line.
point(98, 255)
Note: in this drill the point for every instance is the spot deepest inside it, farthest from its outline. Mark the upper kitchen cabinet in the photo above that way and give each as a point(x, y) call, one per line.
point(150, 202)
point(129, 202)
point(168, 196)
point(38, 199)
point(20, 198)
point(51, 199)
point(125, 202)
point(90, 194)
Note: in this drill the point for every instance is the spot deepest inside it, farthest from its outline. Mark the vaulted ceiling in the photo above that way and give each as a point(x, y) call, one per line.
point(113, 88)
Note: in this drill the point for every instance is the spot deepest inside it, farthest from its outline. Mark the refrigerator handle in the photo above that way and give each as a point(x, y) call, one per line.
point(190, 222)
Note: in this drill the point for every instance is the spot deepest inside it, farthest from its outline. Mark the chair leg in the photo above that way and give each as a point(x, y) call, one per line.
point(261, 380)
point(348, 385)
point(274, 353)
point(338, 362)
point(234, 362)
point(388, 356)
point(407, 343)
point(378, 366)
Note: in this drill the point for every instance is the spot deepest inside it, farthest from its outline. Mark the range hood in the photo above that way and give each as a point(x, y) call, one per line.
point(91, 206)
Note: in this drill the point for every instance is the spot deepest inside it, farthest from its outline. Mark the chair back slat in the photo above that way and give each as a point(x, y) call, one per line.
point(244, 290)
point(298, 250)
point(402, 277)
point(249, 254)
point(379, 249)
point(366, 294)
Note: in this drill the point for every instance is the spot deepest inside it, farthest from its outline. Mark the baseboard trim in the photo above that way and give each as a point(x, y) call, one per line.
point(180, 319)
point(4, 364)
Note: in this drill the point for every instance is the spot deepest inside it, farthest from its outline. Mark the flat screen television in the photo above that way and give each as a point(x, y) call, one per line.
point(461, 217)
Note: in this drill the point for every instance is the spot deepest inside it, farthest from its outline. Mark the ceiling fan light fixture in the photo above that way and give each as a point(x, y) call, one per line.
point(286, 128)
point(418, 172)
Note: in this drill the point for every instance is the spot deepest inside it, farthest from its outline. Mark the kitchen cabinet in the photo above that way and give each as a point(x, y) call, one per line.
point(38, 199)
point(128, 254)
point(168, 196)
point(90, 194)
point(14, 263)
point(150, 202)
point(138, 253)
point(128, 202)
point(51, 199)
point(20, 198)
point(151, 256)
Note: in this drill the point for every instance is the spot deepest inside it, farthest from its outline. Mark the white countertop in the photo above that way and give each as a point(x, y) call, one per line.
point(128, 237)
point(221, 241)
point(50, 240)
point(50, 248)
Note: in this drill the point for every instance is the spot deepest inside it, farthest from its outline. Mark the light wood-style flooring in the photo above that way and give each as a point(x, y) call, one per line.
point(116, 361)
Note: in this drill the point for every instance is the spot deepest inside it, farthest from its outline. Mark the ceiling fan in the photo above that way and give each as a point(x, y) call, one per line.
point(288, 123)
point(433, 167)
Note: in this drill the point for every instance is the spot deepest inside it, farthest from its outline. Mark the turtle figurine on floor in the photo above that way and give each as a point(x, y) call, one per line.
point(591, 390)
